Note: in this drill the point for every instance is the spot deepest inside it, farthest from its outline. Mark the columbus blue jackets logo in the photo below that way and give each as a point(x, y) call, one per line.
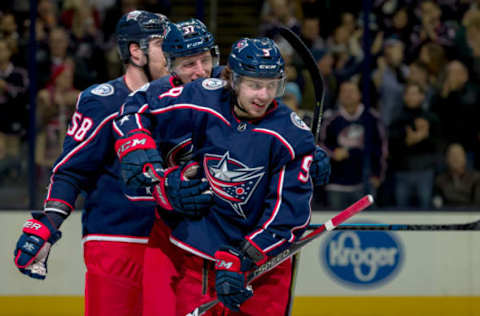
point(103, 90)
point(213, 83)
point(298, 122)
point(231, 180)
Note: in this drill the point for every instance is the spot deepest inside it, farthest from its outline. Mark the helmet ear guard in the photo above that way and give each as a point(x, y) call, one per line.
point(257, 58)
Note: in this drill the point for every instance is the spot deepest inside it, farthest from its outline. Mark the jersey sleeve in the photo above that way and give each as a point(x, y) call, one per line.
point(87, 144)
point(142, 107)
point(287, 207)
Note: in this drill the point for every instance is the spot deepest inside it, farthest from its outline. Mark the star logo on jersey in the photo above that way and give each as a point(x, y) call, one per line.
point(123, 120)
point(231, 180)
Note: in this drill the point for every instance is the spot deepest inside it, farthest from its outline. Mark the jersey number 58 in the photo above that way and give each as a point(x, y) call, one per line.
point(79, 126)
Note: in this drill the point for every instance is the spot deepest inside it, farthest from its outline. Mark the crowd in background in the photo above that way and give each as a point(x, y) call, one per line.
point(400, 119)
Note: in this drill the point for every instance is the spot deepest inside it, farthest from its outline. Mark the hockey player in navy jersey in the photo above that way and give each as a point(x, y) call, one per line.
point(115, 225)
point(256, 155)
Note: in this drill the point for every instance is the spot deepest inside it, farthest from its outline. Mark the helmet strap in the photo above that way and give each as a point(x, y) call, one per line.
point(145, 68)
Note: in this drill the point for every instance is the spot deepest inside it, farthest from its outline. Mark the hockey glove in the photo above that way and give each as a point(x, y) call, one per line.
point(178, 191)
point(320, 169)
point(230, 278)
point(33, 246)
point(139, 159)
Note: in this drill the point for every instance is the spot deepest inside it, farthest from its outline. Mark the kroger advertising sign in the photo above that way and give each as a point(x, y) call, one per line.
point(362, 259)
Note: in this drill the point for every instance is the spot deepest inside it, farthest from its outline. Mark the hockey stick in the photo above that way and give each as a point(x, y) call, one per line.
point(319, 95)
point(317, 79)
point(404, 227)
point(329, 225)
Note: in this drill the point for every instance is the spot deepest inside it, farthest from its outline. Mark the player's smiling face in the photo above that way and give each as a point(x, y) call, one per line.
point(254, 95)
point(193, 67)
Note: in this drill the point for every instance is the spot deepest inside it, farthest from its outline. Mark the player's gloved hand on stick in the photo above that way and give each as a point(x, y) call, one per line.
point(139, 156)
point(181, 190)
point(320, 169)
point(33, 246)
point(230, 278)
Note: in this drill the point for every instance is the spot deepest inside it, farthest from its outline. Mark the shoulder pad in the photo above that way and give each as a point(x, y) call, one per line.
point(213, 83)
point(103, 90)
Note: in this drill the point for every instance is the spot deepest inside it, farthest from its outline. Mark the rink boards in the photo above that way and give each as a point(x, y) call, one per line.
point(347, 273)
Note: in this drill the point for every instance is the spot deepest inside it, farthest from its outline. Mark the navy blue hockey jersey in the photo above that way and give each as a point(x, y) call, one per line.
point(257, 170)
point(88, 164)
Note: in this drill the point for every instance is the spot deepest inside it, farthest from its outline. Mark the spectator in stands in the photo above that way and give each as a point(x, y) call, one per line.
point(457, 106)
point(347, 51)
point(413, 143)
point(355, 140)
point(431, 28)
point(457, 186)
point(468, 43)
point(9, 33)
point(311, 33)
point(292, 96)
point(401, 26)
point(325, 62)
point(389, 78)
point(55, 106)
point(13, 96)
point(418, 73)
point(82, 21)
point(277, 13)
point(48, 14)
point(433, 56)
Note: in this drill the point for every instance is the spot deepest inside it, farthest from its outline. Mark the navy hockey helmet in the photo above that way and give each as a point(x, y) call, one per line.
point(139, 27)
point(188, 38)
point(257, 58)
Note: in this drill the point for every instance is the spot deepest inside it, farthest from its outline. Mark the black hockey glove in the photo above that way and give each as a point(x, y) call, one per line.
point(320, 169)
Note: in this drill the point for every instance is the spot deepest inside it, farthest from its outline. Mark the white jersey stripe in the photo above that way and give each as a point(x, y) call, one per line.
point(280, 137)
point(114, 238)
point(191, 106)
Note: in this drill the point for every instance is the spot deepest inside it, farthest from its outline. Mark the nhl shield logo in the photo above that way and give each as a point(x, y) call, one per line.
point(231, 180)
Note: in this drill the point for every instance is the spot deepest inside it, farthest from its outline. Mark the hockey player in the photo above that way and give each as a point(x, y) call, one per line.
point(115, 226)
point(256, 155)
point(192, 53)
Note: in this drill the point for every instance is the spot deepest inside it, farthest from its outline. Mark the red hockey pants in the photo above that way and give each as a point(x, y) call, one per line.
point(176, 282)
point(113, 282)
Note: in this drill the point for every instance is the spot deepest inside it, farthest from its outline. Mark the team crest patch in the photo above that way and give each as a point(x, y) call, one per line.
point(103, 90)
point(298, 122)
point(231, 180)
point(213, 83)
